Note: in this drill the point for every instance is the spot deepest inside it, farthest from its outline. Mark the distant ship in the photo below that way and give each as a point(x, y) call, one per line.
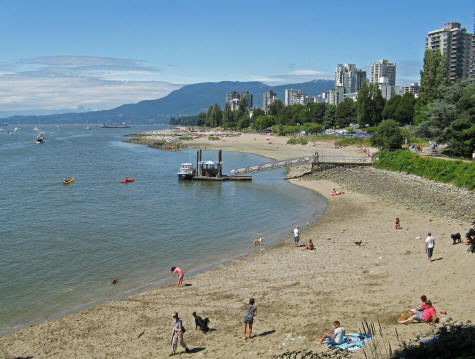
point(123, 125)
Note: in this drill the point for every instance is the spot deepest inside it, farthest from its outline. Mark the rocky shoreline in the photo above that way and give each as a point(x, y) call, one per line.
point(411, 191)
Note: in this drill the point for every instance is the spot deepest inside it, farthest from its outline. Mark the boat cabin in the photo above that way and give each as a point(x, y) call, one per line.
point(209, 168)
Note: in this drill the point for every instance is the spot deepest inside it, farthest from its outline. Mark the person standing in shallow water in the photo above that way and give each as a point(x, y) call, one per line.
point(249, 314)
point(181, 274)
point(296, 236)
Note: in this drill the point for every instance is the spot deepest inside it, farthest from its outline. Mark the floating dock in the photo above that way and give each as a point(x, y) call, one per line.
point(213, 171)
point(223, 178)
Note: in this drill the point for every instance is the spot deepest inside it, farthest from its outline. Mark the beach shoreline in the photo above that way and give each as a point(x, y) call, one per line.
point(298, 293)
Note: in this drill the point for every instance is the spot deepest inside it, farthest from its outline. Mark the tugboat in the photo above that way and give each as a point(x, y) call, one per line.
point(40, 139)
point(186, 171)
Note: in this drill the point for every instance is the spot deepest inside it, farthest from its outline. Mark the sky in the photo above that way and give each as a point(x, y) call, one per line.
point(63, 55)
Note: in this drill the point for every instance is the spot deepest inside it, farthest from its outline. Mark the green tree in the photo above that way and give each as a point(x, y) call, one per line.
point(404, 114)
point(228, 117)
point(263, 122)
point(461, 137)
point(256, 113)
point(387, 135)
point(201, 120)
point(243, 122)
point(363, 105)
point(209, 116)
point(275, 107)
point(390, 107)
point(377, 103)
point(432, 76)
point(316, 111)
point(217, 116)
point(345, 113)
point(329, 119)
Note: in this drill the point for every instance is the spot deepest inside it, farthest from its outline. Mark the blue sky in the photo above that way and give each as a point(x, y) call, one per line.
point(98, 54)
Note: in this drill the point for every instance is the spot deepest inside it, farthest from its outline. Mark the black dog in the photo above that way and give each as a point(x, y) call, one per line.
point(456, 238)
point(202, 323)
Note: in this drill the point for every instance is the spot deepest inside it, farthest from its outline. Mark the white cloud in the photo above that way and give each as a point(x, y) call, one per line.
point(67, 82)
point(305, 72)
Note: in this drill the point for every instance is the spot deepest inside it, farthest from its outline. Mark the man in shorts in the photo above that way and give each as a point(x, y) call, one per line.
point(337, 337)
point(296, 236)
point(180, 273)
point(430, 243)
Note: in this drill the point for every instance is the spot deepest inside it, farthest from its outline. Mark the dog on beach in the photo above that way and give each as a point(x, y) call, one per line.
point(201, 323)
point(258, 241)
point(456, 238)
point(359, 243)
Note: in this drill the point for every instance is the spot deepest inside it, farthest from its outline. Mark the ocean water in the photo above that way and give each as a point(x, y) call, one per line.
point(61, 245)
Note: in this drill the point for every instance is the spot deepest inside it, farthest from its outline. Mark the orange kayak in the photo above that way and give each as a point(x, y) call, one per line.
point(127, 180)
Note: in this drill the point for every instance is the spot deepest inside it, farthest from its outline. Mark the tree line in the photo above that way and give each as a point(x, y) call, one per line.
point(443, 112)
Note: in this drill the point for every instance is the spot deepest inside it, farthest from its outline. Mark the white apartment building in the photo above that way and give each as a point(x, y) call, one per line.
point(349, 77)
point(456, 45)
point(412, 88)
point(268, 99)
point(383, 68)
point(295, 97)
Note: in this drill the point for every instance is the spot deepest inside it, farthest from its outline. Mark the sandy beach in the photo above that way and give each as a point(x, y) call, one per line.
point(298, 293)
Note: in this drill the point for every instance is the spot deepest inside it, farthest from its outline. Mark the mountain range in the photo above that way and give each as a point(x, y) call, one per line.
point(187, 100)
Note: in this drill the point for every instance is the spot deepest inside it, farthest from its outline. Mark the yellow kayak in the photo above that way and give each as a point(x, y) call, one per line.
point(69, 180)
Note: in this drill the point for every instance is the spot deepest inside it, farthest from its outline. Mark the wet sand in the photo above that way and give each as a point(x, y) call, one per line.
point(298, 293)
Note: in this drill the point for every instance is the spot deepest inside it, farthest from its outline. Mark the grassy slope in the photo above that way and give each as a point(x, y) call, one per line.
point(460, 173)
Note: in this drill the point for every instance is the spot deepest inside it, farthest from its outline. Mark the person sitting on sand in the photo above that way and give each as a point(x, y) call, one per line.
point(335, 193)
point(309, 245)
point(397, 224)
point(337, 337)
point(421, 307)
point(249, 314)
point(180, 273)
point(426, 315)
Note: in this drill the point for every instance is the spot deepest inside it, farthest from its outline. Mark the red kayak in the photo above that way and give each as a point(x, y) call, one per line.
point(127, 180)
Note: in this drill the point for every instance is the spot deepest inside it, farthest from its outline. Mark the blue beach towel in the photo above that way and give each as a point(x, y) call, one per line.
point(357, 342)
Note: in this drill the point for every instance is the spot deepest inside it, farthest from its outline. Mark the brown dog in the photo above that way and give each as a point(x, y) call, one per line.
point(258, 241)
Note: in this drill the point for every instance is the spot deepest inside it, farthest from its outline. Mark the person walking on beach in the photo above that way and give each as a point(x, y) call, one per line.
point(337, 337)
point(181, 274)
point(177, 334)
point(250, 311)
point(296, 236)
point(430, 244)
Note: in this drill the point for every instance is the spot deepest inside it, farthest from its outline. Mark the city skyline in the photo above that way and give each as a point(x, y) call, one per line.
point(92, 55)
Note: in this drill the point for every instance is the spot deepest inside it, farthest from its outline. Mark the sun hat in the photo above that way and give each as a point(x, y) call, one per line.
point(175, 314)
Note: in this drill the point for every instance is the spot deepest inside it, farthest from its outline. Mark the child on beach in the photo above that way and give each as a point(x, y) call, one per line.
point(180, 273)
point(309, 245)
point(397, 224)
point(249, 314)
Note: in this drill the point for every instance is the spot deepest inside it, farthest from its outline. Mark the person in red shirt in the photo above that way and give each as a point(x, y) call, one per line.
point(181, 274)
point(427, 315)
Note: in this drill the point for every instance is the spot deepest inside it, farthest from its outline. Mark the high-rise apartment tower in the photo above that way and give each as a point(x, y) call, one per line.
point(455, 44)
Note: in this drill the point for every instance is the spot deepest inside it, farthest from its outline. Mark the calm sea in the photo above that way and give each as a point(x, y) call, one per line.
point(61, 245)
